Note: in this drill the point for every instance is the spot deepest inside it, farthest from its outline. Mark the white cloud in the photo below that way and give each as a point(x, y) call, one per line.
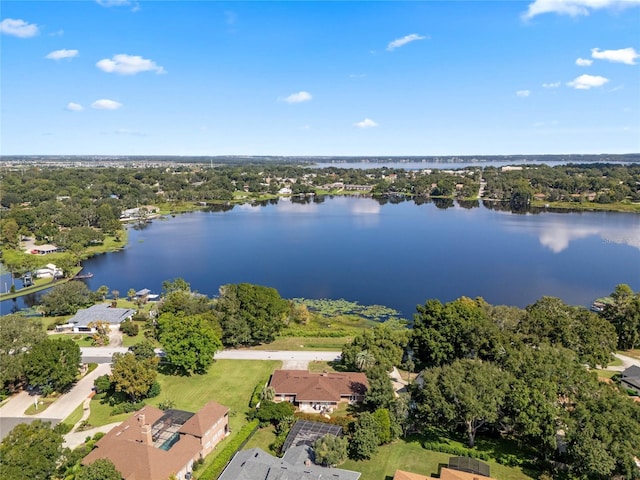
point(128, 65)
point(399, 42)
point(74, 107)
point(583, 62)
point(60, 54)
point(298, 97)
point(585, 82)
point(106, 104)
point(574, 8)
point(18, 28)
point(523, 93)
point(366, 123)
point(623, 55)
point(113, 3)
point(551, 85)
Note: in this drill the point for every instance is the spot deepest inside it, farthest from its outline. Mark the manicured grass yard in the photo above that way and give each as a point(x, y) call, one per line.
point(228, 382)
point(410, 456)
point(261, 439)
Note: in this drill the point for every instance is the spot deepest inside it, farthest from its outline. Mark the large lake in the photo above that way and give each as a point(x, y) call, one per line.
point(397, 254)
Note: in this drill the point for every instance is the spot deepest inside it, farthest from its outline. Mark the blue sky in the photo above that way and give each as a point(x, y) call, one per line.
point(125, 77)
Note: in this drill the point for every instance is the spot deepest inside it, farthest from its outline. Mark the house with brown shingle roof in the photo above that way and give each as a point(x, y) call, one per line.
point(154, 444)
point(445, 474)
point(314, 392)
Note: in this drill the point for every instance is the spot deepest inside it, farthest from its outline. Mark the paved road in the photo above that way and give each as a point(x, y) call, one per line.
point(626, 363)
point(104, 354)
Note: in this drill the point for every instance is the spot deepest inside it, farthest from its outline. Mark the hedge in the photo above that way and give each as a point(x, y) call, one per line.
point(454, 450)
point(226, 454)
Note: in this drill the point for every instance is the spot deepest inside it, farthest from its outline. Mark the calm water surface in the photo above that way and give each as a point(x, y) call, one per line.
point(397, 255)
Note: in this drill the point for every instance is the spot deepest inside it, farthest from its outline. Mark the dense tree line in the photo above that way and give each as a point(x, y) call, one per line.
point(27, 356)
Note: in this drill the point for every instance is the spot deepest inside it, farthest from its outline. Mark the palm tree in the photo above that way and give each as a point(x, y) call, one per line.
point(268, 393)
point(365, 360)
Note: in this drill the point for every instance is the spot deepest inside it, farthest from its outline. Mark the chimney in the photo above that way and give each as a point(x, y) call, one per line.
point(146, 434)
point(141, 418)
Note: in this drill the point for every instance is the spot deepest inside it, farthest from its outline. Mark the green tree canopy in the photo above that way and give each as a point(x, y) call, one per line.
point(30, 452)
point(458, 329)
point(52, 363)
point(363, 442)
point(189, 342)
point(382, 345)
point(624, 314)
point(101, 469)
point(17, 336)
point(250, 314)
point(466, 393)
point(66, 299)
point(132, 376)
point(330, 450)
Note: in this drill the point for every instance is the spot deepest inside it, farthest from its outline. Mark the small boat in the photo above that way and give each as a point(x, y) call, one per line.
point(84, 275)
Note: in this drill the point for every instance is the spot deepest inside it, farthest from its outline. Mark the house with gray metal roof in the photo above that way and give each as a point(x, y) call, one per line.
point(102, 312)
point(630, 379)
point(297, 464)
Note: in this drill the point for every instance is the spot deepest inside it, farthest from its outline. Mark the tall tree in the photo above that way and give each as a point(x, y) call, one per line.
point(101, 469)
point(52, 363)
point(467, 393)
point(624, 315)
point(17, 336)
point(380, 393)
point(363, 443)
point(133, 376)
point(458, 329)
point(30, 452)
point(66, 299)
point(190, 342)
point(255, 310)
point(330, 450)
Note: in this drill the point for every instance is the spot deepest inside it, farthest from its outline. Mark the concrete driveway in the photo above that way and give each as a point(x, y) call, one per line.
point(12, 412)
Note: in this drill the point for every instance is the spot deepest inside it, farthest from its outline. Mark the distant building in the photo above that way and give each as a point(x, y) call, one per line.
point(155, 444)
point(49, 271)
point(44, 249)
point(315, 392)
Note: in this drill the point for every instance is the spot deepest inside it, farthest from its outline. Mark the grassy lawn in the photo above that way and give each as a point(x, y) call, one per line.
point(616, 362)
point(605, 373)
point(43, 404)
point(82, 340)
point(306, 343)
point(261, 439)
point(228, 382)
point(128, 341)
point(75, 416)
point(316, 366)
point(630, 353)
point(409, 455)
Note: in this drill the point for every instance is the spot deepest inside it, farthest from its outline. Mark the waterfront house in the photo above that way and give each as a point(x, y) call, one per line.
point(154, 444)
point(316, 392)
point(102, 312)
point(44, 249)
point(49, 271)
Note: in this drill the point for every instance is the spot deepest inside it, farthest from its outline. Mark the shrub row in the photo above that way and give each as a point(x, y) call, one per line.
point(227, 453)
point(255, 396)
point(454, 450)
point(126, 407)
